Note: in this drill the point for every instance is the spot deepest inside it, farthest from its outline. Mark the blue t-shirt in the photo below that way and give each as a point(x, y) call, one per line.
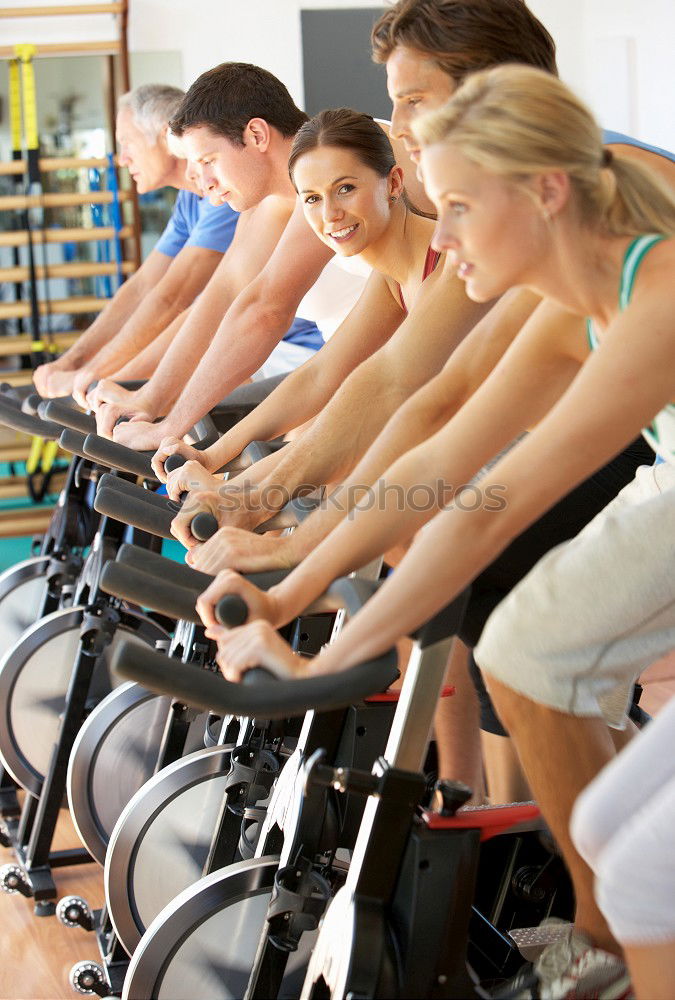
point(195, 222)
point(618, 137)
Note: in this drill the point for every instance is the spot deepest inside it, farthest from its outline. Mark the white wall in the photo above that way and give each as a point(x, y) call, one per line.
point(629, 77)
point(616, 53)
point(266, 32)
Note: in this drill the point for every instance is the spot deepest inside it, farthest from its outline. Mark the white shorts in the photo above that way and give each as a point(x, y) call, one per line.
point(596, 610)
point(622, 825)
point(284, 358)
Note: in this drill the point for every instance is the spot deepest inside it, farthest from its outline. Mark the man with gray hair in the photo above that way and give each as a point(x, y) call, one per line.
point(182, 261)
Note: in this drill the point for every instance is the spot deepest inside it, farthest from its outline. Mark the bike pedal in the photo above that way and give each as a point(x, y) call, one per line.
point(531, 941)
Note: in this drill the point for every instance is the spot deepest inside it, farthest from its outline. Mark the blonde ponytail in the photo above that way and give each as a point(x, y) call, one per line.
point(640, 201)
point(517, 121)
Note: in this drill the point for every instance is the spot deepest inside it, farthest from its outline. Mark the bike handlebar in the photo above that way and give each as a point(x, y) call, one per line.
point(260, 696)
point(173, 462)
point(117, 456)
point(138, 512)
point(63, 413)
point(15, 418)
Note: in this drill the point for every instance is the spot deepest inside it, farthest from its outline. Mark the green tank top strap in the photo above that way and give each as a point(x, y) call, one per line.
point(631, 263)
point(635, 253)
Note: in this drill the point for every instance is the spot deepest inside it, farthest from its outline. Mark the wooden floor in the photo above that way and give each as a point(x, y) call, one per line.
point(36, 953)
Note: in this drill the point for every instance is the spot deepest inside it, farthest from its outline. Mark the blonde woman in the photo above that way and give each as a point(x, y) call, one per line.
point(527, 196)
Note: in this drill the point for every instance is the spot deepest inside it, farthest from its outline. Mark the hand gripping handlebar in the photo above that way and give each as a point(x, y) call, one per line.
point(260, 696)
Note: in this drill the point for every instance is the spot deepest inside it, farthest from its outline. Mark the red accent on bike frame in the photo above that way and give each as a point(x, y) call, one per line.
point(490, 820)
point(393, 696)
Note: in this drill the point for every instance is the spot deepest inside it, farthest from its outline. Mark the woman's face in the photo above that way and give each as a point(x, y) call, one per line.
point(494, 230)
point(345, 202)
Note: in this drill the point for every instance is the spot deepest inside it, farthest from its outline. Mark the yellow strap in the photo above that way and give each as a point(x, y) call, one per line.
point(49, 453)
point(25, 53)
point(15, 104)
point(34, 455)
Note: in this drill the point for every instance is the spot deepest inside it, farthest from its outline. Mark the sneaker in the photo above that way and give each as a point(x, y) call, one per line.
point(570, 969)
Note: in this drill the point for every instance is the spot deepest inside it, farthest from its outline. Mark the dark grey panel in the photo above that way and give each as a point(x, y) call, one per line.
point(338, 70)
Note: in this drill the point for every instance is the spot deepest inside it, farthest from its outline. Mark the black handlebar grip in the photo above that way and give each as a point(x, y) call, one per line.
point(203, 526)
point(168, 569)
point(270, 699)
point(16, 393)
point(19, 421)
point(31, 404)
point(110, 481)
point(258, 675)
point(73, 441)
point(150, 591)
point(62, 413)
point(118, 456)
point(231, 611)
point(174, 461)
point(130, 510)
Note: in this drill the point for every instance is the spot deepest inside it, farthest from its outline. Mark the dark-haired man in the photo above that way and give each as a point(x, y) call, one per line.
point(243, 116)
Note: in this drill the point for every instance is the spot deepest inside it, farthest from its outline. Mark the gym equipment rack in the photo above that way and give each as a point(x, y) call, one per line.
point(16, 447)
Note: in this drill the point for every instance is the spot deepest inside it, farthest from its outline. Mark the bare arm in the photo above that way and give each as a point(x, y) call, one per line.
point(187, 275)
point(417, 419)
point(55, 378)
point(619, 390)
point(253, 244)
point(346, 428)
point(533, 373)
point(256, 321)
point(306, 390)
point(426, 412)
point(254, 240)
point(145, 364)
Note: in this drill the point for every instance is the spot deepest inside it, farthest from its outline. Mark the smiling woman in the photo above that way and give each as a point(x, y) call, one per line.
point(343, 167)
